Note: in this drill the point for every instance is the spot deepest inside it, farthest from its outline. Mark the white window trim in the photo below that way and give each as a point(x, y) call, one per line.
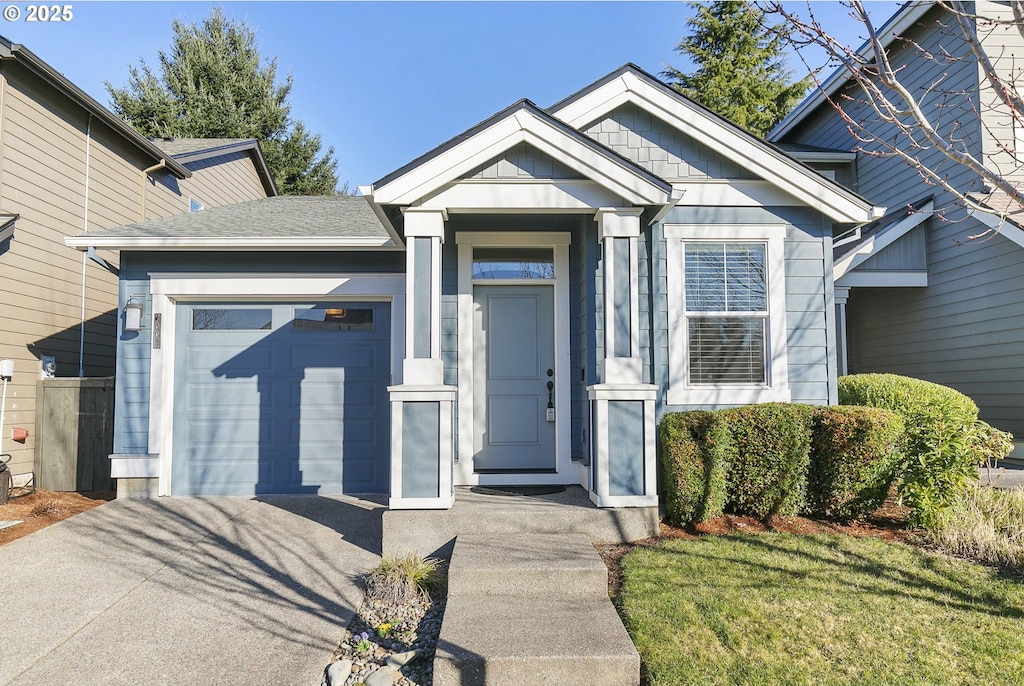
point(680, 392)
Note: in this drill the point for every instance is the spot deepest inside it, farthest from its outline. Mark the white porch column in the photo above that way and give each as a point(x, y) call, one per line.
point(424, 233)
point(422, 407)
point(841, 296)
point(619, 231)
point(622, 407)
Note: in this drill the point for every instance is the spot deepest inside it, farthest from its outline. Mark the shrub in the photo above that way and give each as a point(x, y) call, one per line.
point(694, 448)
point(769, 458)
point(985, 524)
point(989, 444)
point(939, 424)
point(855, 452)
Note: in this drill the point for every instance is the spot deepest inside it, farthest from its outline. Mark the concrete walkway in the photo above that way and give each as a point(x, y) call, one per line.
point(185, 591)
point(531, 609)
point(1006, 475)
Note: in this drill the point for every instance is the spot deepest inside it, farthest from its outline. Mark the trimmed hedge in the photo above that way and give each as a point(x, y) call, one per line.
point(694, 453)
point(777, 458)
point(769, 458)
point(855, 454)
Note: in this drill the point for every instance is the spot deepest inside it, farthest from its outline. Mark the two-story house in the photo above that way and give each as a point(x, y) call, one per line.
point(68, 165)
point(915, 294)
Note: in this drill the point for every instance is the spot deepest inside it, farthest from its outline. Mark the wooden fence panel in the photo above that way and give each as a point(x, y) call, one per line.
point(74, 434)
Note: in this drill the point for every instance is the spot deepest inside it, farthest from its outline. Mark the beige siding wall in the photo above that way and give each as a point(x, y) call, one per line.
point(223, 180)
point(63, 174)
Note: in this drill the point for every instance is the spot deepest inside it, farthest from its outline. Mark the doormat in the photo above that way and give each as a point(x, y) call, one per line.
point(4, 523)
point(517, 490)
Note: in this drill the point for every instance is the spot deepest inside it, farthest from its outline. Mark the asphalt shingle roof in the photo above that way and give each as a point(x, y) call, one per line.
point(284, 216)
point(185, 146)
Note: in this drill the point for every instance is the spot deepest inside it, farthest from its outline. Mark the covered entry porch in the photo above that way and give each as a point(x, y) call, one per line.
point(523, 360)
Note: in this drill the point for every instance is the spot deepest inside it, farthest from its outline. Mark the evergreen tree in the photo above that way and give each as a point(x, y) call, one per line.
point(741, 71)
point(212, 83)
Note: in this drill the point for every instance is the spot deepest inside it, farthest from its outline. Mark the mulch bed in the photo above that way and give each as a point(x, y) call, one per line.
point(43, 508)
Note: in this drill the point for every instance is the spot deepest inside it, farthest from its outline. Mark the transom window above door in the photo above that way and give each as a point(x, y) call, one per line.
point(513, 263)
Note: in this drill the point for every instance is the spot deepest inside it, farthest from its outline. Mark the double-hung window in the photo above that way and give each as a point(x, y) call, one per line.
point(726, 314)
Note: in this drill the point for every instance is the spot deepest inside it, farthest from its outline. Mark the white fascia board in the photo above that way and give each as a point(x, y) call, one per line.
point(522, 126)
point(1004, 227)
point(880, 279)
point(875, 244)
point(367, 192)
point(904, 18)
point(795, 179)
point(189, 243)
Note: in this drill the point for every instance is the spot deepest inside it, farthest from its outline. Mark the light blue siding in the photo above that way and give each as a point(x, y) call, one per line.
point(422, 314)
point(625, 447)
point(421, 439)
point(965, 328)
point(657, 147)
point(623, 286)
point(523, 161)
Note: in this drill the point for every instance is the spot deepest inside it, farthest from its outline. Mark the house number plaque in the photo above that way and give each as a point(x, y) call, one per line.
point(157, 321)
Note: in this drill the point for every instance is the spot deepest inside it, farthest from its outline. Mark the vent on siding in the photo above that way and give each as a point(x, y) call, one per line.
point(194, 205)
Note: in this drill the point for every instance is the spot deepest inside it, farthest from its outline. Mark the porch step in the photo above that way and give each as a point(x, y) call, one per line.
point(540, 565)
point(431, 532)
point(545, 618)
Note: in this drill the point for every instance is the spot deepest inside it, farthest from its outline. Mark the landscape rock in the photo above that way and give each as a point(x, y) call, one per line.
point(401, 659)
point(337, 672)
point(385, 676)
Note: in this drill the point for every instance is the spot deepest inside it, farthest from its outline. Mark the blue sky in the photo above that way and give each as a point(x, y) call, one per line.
point(384, 82)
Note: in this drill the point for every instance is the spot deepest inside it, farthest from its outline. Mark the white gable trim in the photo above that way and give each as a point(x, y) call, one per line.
point(522, 126)
point(875, 244)
point(762, 160)
point(541, 195)
point(1004, 227)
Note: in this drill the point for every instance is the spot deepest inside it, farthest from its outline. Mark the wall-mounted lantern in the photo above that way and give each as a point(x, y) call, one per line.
point(133, 315)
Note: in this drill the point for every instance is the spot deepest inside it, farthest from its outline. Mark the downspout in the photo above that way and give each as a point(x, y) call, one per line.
point(85, 256)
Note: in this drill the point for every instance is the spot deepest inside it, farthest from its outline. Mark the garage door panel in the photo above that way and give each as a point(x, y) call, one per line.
point(352, 398)
point(225, 361)
point(281, 410)
point(326, 356)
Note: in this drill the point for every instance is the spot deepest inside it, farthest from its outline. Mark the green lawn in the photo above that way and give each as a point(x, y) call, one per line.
point(788, 609)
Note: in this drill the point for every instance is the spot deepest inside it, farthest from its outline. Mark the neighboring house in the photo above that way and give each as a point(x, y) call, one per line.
point(915, 295)
point(68, 165)
point(517, 306)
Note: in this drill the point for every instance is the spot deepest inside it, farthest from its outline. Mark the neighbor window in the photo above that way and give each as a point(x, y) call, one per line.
point(726, 291)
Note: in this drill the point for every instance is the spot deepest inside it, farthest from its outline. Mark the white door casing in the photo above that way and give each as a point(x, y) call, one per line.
point(559, 242)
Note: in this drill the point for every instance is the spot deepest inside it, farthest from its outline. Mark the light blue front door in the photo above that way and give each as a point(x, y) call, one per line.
point(281, 398)
point(513, 367)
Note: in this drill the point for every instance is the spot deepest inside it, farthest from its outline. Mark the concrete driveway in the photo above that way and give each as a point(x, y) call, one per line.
point(185, 591)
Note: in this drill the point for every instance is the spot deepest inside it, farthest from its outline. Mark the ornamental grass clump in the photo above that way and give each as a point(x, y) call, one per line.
point(404, 580)
point(984, 524)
